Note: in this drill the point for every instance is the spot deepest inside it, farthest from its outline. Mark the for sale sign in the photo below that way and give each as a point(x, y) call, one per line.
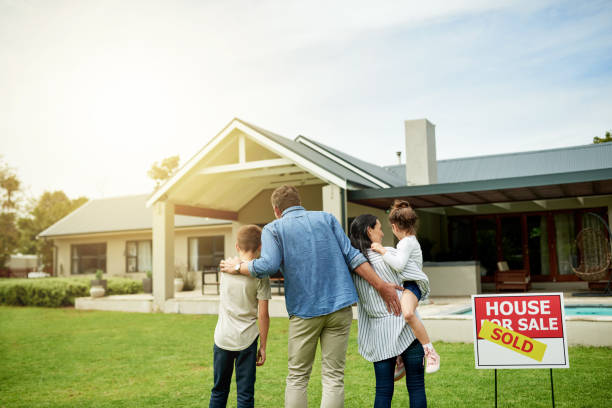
point(519, 331)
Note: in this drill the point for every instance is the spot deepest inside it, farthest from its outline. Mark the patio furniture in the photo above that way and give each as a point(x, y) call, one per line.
point(507, 279)
point(210, 271)
point(594, 255)
point(278, 281)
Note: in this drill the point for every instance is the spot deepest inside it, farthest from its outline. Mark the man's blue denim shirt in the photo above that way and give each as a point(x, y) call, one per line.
point(314, 255)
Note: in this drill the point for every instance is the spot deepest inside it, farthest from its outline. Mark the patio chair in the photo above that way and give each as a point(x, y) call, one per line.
point(507, 279)
point(594, 255)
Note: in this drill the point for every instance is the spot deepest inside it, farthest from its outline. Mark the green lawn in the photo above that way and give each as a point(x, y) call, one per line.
point(71, 358)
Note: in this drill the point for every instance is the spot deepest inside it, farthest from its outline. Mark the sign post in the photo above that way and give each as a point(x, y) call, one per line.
point(516, 331)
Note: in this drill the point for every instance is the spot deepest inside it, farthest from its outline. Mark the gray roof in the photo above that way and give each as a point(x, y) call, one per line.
point(376, 171)
point(520, 164)
point(128, 213)
point(314, 156)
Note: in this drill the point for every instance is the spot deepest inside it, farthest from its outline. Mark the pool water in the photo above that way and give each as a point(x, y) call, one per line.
point(572, 311)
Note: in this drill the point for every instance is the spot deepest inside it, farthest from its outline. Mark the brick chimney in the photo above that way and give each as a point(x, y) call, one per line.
point(421, 164)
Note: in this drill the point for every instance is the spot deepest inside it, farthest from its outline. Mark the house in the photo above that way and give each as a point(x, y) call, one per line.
point(524, 208)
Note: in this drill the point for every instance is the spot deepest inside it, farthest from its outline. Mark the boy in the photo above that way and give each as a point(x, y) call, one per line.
point(242, 299)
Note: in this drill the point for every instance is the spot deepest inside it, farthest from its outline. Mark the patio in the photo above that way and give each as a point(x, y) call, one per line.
point(439, 316)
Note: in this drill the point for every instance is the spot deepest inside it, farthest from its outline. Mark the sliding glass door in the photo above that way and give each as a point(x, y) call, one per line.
point(541, 242)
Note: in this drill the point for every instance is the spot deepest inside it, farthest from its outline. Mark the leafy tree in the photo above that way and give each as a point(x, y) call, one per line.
point(164, 170)
point(44, 212)
point(9, 195)
point(607, 138)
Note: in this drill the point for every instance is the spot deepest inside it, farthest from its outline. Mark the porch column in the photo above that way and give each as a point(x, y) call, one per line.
point(163, 253)
point(334, 202)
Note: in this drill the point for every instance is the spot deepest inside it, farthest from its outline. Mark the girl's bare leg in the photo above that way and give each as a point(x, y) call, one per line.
point(409, 304)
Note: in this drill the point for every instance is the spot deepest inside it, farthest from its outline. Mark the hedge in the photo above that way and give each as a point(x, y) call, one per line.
point(57, 292)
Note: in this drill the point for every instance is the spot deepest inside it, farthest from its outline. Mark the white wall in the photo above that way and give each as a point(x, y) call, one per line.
point(116, 247)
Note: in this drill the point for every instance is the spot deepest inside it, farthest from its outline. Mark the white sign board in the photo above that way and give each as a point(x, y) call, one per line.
point(519, 331)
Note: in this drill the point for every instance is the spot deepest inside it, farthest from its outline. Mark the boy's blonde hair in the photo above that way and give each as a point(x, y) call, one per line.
point(402, 215)
point(249, 238)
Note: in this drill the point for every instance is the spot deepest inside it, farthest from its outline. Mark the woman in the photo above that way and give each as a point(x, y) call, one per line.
point(382, 335)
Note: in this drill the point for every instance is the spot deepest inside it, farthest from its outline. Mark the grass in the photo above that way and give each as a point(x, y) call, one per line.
point(72, 358)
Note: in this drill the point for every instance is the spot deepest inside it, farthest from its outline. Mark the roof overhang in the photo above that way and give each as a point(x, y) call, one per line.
point(540, 187)
point(246, 177)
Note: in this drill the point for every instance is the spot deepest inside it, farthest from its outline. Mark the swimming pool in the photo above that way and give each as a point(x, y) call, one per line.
point(571, 310)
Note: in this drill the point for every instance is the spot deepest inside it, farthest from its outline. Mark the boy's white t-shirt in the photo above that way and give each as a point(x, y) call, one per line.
point(237, 324)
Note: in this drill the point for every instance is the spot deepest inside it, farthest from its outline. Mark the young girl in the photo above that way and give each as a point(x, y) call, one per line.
point(403, 221)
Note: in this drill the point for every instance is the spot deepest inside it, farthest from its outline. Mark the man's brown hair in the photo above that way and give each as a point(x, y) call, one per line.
point(249, 238)
point(284, 197)
point(404, 216)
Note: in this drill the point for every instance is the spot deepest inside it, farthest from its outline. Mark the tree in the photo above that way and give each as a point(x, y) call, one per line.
point(9, 195)
point(607, 138)
point(44, 212)
point(164, 170)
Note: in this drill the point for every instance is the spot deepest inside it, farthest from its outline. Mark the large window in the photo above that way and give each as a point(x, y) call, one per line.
point(486, 245)
point(541, 242)
point(538, 245)
point(205, 252)
point(138, 256)
point(88, 258)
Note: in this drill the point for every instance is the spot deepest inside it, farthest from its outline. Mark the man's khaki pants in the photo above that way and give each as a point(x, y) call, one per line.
point(333, 331)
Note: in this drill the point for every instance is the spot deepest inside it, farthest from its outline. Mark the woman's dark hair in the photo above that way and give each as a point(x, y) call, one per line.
point(359, 233)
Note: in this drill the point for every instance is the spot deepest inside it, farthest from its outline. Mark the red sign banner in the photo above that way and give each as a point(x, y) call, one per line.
point(537, 316)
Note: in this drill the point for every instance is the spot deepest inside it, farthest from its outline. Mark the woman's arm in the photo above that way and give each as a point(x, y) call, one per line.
point(387, 290)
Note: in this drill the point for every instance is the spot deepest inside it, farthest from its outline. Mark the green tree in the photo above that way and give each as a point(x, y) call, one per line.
point(607, 138)
point(44, 212)
point(9, 196)
point(164, 170)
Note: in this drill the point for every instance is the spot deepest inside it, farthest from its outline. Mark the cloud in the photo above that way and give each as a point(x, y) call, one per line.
point(112, 86)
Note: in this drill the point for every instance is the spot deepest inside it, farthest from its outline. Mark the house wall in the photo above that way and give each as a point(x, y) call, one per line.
point(116, 247)
point(432, 234)
point(259, 209)
point(355, 210)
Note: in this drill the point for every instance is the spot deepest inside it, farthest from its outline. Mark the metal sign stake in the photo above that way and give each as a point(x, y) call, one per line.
point(496, 388)
point(552, 389)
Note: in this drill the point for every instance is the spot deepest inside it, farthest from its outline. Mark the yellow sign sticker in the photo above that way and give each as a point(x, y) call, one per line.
point(512, 340)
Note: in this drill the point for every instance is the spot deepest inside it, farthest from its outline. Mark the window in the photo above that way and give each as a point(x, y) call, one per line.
point(565, 234)
point(538, 245)
point(205, 252)
point(138, 256)
point(460, 230)
point(486, 245)
point(88, 258)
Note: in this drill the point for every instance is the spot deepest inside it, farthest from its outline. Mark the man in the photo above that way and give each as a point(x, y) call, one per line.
point(315, 257)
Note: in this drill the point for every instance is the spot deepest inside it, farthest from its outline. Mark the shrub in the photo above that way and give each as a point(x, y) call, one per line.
point(123, 286)
point(57, 292)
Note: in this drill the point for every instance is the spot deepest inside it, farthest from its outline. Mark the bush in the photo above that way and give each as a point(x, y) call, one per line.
point(57, 292)
point(123, 286)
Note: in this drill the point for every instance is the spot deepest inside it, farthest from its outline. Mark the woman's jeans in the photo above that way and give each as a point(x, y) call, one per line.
point(415, 378)
point(245, 376)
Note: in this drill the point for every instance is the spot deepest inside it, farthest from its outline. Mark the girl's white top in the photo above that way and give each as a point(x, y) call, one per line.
point(409, 255)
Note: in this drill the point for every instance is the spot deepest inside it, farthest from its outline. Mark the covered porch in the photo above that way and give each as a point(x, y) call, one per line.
point(232, 178)
point(529, 222)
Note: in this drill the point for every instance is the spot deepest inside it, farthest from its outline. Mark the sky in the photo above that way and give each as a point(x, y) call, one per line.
point(93, 92)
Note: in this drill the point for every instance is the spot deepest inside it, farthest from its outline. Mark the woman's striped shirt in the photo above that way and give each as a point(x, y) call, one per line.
point(381, 334)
